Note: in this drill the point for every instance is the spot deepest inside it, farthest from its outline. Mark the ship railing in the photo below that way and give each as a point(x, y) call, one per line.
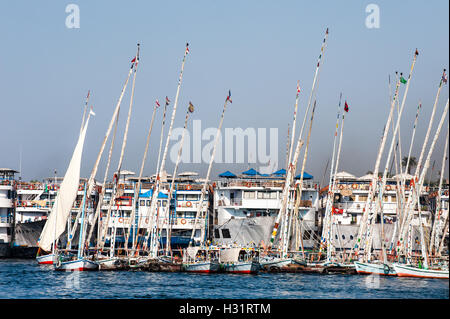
point(188, 187)
point(307, 184)
point(31, 204)
point(6, 220)
point(5, 182)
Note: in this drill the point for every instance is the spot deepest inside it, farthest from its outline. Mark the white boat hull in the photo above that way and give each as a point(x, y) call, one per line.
point(278, 262)
point(378, 269)
point(409, 271)
point(242, 267)
point(202, 267)
point(45, 259)
point(76, 265)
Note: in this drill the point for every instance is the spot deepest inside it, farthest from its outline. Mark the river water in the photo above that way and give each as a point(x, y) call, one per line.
point(26, 279)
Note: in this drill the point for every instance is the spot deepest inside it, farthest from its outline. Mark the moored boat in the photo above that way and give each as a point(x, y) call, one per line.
point(202, 267)
point(410, 271)
point(81, 264)
point(45, 259)
point(245, 267)
point(372, 268)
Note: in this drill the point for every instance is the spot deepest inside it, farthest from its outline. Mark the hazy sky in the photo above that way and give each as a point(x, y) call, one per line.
point(258, 49)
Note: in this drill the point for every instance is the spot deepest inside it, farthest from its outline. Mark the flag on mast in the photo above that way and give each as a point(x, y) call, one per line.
point(229, 96)
point(191, 107)
point(402, 79)
point(444, 77)
point(157, 103)
point(167, 101)
point(346, 107)
point(92, 111)
point(298, 88)
point(187, 48)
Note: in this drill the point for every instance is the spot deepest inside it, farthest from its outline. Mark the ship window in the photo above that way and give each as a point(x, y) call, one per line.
point(180, 196)
point(191, 197)
point(351, 237)
point(306, 235)
point(260, 195)
point(149, 203)
point(226, 233)
point(142, 203)
point(335, 236)
point(273, 195)
point(216, 233)
point(249, 195)
point(343, 236)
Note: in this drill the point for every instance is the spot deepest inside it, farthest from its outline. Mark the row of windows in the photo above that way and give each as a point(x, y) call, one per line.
point(260, 195)
point(148, 203)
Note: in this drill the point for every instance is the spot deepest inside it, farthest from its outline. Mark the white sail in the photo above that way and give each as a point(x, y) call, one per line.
point(57, 220)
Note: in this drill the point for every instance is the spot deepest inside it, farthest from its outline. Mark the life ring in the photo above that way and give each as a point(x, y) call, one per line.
point(183, 221)
point(146, 220)
point(341, 187)
point(189, 187)
point(188, 204)
point(121, 220)
point(388, 187)
point(121, 186)
point(355, 186)
point(446, 193)
point(80, 188)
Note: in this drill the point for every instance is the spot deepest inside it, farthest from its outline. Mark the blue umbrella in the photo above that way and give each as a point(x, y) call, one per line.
point(280, 172)
point(227, 174)
point(305, 176)
point(251, 172)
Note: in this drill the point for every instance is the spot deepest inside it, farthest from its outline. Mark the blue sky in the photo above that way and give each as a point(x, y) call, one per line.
point(258, 49)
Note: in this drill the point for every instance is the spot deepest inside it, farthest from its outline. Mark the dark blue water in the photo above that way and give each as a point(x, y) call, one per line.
point(27, 279)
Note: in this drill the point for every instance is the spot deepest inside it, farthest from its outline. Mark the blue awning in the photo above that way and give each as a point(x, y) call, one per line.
point(280, 172)
point(251, 172)
point(305, 176)
point(149, 194)
point(227, 174)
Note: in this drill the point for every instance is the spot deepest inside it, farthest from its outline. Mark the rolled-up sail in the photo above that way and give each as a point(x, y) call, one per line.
point(57, 220)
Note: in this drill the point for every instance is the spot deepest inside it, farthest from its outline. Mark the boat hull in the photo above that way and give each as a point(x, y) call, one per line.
point(242, 267)
point(378, 269)
point(409, 271)
point(45, 259)
point(77, 265)
point(277, 263)
point(202, 267)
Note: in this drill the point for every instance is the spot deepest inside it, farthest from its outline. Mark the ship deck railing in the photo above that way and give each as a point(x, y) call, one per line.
point(262, 183)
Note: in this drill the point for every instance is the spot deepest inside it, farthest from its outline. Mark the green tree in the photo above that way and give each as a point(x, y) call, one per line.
point(412, 163)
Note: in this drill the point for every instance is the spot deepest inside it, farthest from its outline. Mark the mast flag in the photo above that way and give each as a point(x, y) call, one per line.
point(402, 79)
point(157, 103)
point(346, 107)
point(229, 96)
